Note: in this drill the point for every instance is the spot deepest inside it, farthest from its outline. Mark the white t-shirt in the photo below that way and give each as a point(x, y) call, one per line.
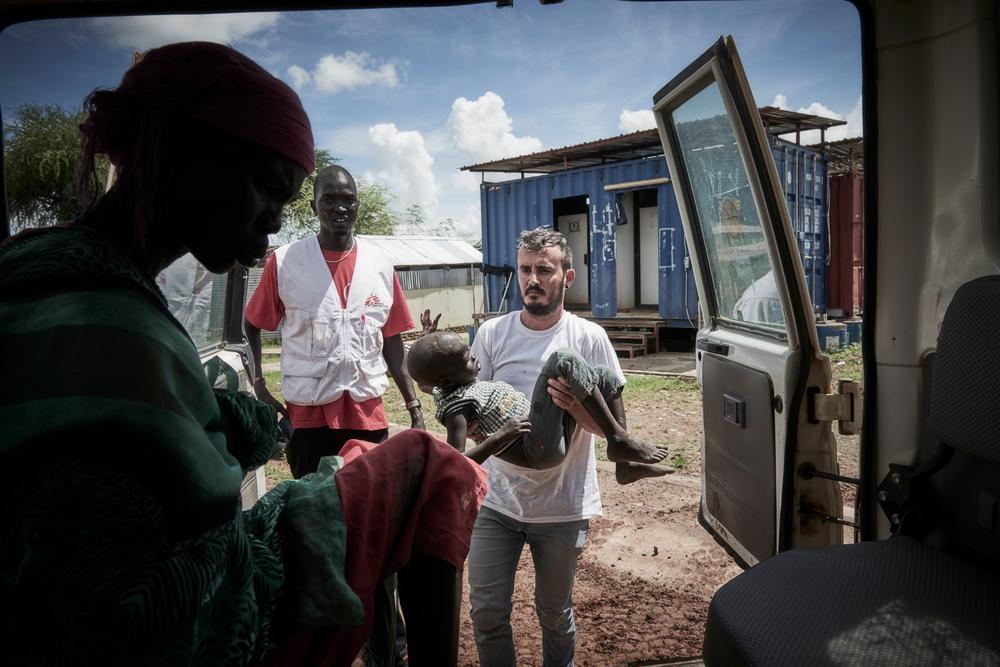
point(509, 351)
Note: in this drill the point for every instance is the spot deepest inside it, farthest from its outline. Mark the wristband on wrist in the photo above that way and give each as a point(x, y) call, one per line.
point(415, 403)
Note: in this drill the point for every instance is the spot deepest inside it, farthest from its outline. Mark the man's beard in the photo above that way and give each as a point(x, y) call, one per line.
point(543, 309)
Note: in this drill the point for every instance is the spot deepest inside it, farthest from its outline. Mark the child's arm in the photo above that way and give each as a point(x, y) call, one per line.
point(512, 429)
point(458, 427)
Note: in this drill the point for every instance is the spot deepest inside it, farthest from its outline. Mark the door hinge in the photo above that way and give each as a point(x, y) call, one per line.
point(843, 406)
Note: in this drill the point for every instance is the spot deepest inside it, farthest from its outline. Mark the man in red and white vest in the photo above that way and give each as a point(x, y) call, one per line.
point(343, 311)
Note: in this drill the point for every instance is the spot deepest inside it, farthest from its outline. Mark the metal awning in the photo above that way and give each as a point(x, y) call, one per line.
point(843, 156)
point(783, 121)
point(645, 143)
point(635, 145)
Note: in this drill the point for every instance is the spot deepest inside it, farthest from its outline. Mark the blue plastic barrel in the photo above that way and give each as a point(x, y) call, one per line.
point(830, 335)
point(853, 330)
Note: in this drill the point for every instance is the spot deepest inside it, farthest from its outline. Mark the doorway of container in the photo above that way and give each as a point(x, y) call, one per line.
point(570, 216)
point(637, 243)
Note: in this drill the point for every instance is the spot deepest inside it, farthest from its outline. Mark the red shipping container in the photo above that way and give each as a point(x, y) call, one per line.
point(846, 273)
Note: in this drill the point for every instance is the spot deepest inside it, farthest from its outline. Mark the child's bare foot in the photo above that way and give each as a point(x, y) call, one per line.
point(629, 448)
point(627, 472)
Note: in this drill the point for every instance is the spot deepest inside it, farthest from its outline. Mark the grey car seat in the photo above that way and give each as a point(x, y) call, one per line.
point(928, 595)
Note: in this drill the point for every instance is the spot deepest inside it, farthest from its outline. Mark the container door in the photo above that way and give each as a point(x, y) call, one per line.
point(649, 256)
point(576, 230)
point(758, 349)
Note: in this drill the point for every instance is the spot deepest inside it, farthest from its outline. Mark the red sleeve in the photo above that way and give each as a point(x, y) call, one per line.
point(399, 315)
point(265, 308)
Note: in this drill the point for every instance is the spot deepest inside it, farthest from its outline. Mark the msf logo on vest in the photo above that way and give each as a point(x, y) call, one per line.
point(372, 301)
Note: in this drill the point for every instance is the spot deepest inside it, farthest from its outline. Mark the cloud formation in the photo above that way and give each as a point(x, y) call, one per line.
point(403, 164)
point(633, 121)
point(300, 77)
point(483, 131)
point(147, 32)
point(334, 73)
point(853, 128)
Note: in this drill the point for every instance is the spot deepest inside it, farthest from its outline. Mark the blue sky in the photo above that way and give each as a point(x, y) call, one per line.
point(405, 97)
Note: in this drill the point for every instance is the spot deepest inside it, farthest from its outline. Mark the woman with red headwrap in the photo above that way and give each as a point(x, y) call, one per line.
point(122, 539)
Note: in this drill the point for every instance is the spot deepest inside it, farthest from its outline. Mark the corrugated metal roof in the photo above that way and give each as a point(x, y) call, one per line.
point(844, 155)
point(426, 250)
point(644, 143)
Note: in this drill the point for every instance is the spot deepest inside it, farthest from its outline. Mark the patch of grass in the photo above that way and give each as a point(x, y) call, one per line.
point(273, 380)
point(848, 363)
point(270, 358)
point(680, 461)
point(399, 415)
point(276, 472)
point(641, 387)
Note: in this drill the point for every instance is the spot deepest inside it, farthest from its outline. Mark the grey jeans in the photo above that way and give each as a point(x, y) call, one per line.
point(497, 542)
point(551, 426)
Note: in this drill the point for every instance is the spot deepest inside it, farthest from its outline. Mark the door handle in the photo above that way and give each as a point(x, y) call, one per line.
point(706, 345)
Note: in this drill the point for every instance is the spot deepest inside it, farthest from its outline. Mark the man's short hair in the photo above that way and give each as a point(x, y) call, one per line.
point(328, 172)
point(537, 240)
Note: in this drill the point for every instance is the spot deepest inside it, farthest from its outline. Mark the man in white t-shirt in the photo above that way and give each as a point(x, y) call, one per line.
point(550, 509)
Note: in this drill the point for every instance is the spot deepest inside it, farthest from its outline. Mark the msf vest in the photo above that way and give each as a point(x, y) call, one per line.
point(327, 349)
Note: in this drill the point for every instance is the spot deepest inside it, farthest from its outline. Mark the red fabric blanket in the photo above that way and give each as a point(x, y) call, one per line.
point(410, 493)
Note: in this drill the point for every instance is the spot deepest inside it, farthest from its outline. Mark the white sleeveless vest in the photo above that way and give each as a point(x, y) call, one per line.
point(326, 349)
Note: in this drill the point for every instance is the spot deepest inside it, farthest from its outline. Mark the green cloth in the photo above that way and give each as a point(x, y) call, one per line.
point(122, 540)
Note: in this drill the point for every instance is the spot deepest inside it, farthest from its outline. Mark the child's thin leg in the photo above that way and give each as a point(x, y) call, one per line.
point(621, 445)
point(626, 472)
point(546, 445)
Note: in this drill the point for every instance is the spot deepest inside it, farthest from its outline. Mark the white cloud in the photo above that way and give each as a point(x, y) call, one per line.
point(853, 128)
point(352, 70)
point(633, 121)
point(349, 141)
point(300, 77)
point(146, 32)
point(403, 164)
point(482, 129)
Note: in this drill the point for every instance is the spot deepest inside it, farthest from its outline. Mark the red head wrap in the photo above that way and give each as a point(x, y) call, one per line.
point(210, 83)
point(206, 82)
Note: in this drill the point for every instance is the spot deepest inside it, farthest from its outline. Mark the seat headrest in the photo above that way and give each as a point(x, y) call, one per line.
point(965, 389)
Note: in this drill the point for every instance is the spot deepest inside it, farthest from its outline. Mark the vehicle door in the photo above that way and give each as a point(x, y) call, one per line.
point(210, 307)
point(764, 382)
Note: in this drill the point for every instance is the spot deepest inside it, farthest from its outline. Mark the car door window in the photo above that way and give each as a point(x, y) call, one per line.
point(736, 251)
point(197, 298)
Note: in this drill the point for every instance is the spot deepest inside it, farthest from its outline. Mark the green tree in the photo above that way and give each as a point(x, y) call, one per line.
point(415, 219)
point(41, 151)
point(375, 216)
point(447, 227)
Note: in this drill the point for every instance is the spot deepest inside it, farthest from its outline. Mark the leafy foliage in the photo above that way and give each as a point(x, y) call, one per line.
point(375, 216)
point(42, 147)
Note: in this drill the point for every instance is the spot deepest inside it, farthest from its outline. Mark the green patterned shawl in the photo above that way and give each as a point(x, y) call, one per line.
point(121, 535)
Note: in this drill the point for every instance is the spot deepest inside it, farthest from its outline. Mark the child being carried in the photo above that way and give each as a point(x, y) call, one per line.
point(532, 434)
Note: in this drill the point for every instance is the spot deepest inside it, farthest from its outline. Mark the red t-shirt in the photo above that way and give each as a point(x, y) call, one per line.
point(266, 310)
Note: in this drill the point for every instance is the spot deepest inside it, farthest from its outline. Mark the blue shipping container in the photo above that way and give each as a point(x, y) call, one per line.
point(622, 225)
